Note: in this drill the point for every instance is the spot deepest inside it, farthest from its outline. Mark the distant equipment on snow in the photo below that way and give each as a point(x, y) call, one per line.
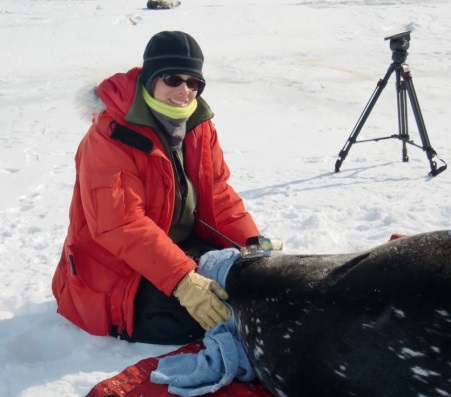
point(162, 4)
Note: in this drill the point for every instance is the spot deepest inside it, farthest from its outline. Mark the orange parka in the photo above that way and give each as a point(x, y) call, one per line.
point(122, 207)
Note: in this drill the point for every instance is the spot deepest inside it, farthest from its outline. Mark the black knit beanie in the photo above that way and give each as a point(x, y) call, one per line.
point(171, 52)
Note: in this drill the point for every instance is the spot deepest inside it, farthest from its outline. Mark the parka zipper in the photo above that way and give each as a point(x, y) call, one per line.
point(181, 183)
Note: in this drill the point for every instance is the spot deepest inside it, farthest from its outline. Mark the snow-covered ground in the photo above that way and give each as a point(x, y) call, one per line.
point(287, 81)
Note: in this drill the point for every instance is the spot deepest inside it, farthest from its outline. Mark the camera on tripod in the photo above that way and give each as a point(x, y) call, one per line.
point(399, 44)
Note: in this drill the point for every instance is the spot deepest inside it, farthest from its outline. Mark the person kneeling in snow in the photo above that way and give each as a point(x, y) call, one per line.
point(150, 173)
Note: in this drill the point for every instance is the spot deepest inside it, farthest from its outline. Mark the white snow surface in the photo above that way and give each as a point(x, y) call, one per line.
point(287, 81)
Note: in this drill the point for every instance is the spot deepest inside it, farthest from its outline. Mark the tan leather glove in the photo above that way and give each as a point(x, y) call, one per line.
point(201, 297)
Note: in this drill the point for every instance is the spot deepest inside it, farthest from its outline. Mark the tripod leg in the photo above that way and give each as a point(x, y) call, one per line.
point(363, 117)
point(403, 126)
point(430, 152)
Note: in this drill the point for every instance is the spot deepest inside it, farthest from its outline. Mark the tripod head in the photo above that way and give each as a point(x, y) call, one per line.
point(399, 44)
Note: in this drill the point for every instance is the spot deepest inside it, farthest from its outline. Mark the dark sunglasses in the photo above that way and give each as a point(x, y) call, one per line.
point(172, 80)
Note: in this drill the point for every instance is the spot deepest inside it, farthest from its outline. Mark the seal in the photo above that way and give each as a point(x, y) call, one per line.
point(371, 324)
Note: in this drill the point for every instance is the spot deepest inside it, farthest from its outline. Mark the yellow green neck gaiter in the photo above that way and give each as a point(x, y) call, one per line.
point(172, 112)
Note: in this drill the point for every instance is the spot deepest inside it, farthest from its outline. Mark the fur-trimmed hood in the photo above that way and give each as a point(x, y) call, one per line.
point(114, 95)
point(87, 102)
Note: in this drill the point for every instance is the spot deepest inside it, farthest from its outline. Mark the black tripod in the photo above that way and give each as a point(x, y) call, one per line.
point(398, 44)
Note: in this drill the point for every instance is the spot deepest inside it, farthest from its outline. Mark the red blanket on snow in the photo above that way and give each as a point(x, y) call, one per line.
point(134, 381)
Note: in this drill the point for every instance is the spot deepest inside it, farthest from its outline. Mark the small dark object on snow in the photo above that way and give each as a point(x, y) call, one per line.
point(162, 4)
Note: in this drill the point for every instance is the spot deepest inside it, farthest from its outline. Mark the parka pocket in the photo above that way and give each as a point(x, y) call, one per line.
point(118, 198)
point(80, 304)
point(108, 200)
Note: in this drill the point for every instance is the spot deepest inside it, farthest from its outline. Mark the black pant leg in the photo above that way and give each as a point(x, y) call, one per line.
point(160, 319)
